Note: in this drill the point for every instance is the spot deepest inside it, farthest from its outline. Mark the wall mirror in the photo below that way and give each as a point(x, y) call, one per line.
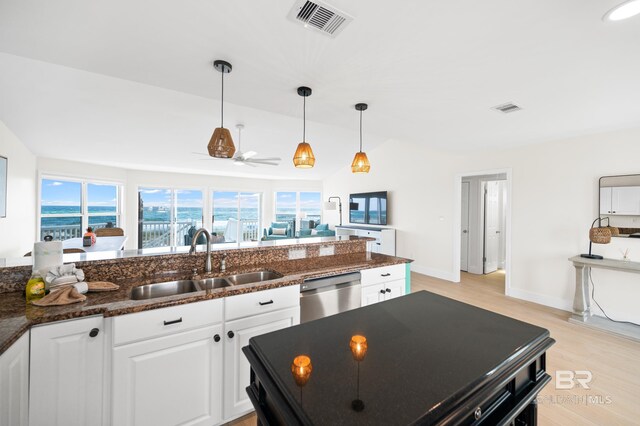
point(620, 203)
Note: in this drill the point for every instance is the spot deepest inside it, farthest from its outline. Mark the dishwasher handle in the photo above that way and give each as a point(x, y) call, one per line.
point(343, 280)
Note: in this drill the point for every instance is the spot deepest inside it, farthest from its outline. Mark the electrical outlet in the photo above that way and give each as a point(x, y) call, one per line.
point(327, 250)
point(297, 254)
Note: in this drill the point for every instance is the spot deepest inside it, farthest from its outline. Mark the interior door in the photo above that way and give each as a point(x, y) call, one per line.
point(491, 226)
point(464, 234)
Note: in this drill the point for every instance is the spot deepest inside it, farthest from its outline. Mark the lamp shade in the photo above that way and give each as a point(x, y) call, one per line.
point(303, 157)
point(330, 205)
point(360, 163)
point(221, 144)
point(600, 235)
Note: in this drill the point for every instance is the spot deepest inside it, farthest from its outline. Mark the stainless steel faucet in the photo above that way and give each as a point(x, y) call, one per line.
point(207, 235)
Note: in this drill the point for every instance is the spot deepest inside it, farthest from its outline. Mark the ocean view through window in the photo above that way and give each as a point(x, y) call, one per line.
point(298, 208)
point(68, 206)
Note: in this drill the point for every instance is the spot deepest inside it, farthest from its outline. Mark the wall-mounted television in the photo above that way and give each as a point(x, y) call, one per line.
point(368, 208)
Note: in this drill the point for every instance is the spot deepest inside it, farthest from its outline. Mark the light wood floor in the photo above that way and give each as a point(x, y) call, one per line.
point(613, 361)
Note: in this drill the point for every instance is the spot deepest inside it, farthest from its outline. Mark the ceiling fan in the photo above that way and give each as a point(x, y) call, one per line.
point(244, 158)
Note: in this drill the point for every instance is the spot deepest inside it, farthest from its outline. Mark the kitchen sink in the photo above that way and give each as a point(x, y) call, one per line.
point(252, 277)
point(173, 288)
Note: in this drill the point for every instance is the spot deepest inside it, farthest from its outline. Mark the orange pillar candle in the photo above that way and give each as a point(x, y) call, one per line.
point(358, 346)
point(301, 369)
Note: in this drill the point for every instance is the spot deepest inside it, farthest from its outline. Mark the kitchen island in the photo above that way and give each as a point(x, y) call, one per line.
point(429, 360)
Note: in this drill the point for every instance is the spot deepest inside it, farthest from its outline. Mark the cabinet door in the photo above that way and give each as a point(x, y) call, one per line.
point(66, 377)
point(236, 366)
point(605, 200)
point(394, 289)
point(170, 380)
point(372, 294)
point(14, 383)
point(625, 200)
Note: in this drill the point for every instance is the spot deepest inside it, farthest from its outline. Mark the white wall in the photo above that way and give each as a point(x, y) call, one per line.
point(134, 179)
point(554, 201)
point(18, 229)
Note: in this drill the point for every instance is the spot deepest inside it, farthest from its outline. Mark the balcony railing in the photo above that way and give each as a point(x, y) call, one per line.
point(155, 234)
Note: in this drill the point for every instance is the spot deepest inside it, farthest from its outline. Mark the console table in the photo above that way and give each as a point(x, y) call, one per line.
point(385, 238)
point(582, 299)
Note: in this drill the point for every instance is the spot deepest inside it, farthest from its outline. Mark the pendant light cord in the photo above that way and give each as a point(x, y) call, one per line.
point(360, 130)
point(222, 101)
point(304, 118)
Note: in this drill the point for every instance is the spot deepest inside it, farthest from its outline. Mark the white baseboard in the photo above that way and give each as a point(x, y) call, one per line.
point(432, 272)
point(541, 299)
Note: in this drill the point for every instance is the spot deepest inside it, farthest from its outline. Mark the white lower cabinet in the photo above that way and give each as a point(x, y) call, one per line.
point(167, 366)
point(14, 384)
point(170, 380)
point(236, 366)
point(246, 316)
point(66, 376)
point(384, 283)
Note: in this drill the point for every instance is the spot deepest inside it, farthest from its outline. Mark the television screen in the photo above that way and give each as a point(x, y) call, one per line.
point(368, 208)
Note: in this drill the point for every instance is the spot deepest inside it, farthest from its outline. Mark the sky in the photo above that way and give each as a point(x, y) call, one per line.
point(69, 193)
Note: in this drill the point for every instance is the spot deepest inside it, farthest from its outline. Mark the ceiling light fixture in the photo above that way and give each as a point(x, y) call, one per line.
point(360, 162)
point(221, 143)
point(303, 157)
point(623, 11)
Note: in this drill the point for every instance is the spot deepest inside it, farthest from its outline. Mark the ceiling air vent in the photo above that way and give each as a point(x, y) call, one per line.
point(507, 108)
point(319, 16)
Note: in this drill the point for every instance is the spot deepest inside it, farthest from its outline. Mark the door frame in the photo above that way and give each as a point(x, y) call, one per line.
point(457, 222)
point(468, 194)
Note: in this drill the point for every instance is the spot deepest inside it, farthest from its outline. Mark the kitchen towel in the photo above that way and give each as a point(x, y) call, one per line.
point(97, 286)
point(66, 296)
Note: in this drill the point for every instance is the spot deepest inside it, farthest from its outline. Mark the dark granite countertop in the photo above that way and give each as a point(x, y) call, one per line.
point(425, 354)
point(16, 316)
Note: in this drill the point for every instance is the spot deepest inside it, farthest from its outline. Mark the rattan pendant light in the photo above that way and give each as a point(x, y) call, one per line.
point(303, 157)
point(360, 162)
point(221, 144)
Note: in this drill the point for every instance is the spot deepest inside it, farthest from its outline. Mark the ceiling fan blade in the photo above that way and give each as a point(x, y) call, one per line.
point(267, 163)
point(249, 164)
point(249, 154)
point(267, 159)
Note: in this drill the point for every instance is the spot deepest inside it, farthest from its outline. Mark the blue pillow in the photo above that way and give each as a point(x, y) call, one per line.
point(279, 225)
point(305, 232)
point(322, 227)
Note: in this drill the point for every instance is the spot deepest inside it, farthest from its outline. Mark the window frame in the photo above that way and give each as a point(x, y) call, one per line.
point(298, 218)
point(260, 194)
point(84, 214)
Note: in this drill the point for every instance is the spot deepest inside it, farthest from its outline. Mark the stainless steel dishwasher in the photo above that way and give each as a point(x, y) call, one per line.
point(321, 297)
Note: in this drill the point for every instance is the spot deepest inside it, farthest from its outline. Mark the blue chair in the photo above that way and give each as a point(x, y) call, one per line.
point(268, 234)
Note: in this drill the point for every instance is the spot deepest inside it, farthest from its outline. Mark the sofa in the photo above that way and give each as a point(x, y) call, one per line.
point(320, 230)
point(278, 234)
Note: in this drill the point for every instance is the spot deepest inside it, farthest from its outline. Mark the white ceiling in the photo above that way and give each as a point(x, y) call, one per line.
point(130, 83)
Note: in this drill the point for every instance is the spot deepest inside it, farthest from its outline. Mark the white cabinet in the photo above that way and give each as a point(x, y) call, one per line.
point(246, 316)
point(620, 200)
point(66, 377)
point(14, 383)
point(384, 283)
point(385, 238)
point(175, 375)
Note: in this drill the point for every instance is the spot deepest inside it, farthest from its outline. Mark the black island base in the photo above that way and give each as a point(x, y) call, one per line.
point(420, 359)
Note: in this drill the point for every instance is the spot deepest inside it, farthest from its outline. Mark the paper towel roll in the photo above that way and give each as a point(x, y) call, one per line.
point(46, 255)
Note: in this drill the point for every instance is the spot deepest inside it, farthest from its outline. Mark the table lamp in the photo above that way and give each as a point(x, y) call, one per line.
point(599, 235)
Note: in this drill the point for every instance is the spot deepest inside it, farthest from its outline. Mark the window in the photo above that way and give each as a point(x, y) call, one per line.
point(236, 215)
point(305, 206)
point(168, 217)
point(68, 207)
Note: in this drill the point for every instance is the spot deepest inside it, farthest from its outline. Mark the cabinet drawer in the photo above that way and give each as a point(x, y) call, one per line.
point(383, 274)
point(261, 301)
point(164, 321)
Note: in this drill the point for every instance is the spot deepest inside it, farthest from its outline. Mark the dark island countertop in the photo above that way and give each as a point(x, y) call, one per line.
point(427, 356)
point(16, 316)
